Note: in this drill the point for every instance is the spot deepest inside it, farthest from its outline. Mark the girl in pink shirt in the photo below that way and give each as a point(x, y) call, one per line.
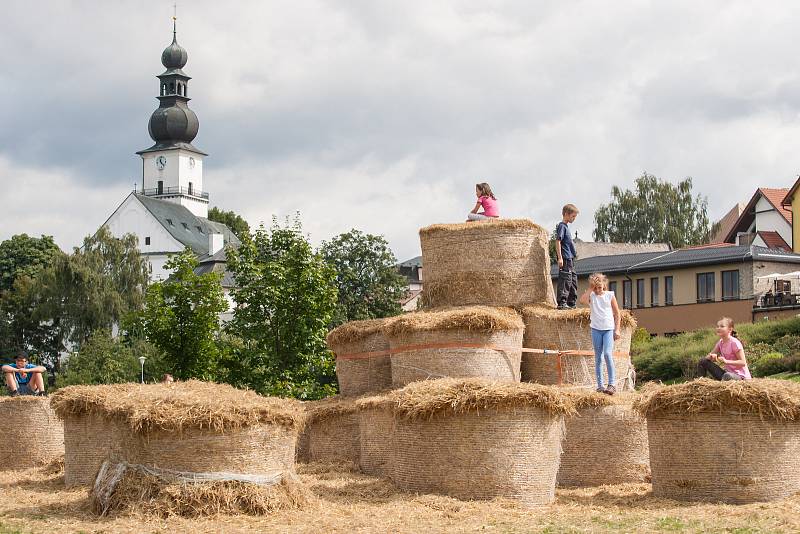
point(487, 201)
point(729, 352)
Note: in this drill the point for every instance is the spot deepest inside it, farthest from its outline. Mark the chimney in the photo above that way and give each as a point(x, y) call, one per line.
point(215, 243)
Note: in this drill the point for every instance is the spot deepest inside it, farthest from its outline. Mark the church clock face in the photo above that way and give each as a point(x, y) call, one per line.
point(161, 162)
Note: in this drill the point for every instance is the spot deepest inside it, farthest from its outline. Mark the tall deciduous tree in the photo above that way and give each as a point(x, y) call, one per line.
point(234, 221)
point(181, 317)
point(655, 212)
point(24, 256)
point(369, 283)
point(286, 297)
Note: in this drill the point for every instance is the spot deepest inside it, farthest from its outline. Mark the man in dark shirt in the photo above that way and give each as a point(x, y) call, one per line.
point(23, 378)
point(565, 251)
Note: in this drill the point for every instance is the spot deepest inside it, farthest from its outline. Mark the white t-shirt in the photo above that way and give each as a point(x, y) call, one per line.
point(602, 314)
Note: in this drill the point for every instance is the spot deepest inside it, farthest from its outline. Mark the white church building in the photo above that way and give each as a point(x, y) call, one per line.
point(170, 211)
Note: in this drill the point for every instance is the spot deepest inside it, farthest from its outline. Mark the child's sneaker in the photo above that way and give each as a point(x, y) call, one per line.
point(14, 394)
point(610, 390)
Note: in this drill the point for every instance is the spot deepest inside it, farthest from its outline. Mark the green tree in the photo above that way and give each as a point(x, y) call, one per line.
point(24, 256)
point(286, 297)
point(181, 317)
point(233, 221)
point(107, 360)
point(22, 325)
point(94, 287)
point(370, 286)
point(656, 212)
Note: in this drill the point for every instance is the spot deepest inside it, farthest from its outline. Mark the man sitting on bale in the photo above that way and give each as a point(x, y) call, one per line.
point(23, 378)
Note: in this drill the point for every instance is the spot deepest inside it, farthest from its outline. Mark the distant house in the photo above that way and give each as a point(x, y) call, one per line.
point(726, 223)
point(684, 289)
point(764, 222)
point(412, 270)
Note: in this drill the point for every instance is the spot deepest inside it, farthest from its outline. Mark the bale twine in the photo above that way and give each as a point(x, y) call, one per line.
point(188, 427)
point(477, 341)
point(724, 442)
point(359, 373)
point(503, 262)
point(376, 428)
point(605, 443)
point(568, 330)
point(332, 431)
point(479, 440)
point(28, 425)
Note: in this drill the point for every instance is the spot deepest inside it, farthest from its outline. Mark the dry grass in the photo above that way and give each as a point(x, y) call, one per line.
point(176, 407)
point(578, 315)
point(476, 318)
point(355, 331)
point(328, 407)
point(769, 399)
point(344, 501)
point(491, 225)
point(589, 398)
point(423, 400)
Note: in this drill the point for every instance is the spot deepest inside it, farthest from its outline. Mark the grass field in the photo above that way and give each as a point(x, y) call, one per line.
point(345, 501)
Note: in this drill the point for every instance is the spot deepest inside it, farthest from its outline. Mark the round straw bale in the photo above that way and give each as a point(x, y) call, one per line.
point(476, 341)
point(552, 329)
point(89, 440)
point(376, 427)
point(332, 431)
point(364, 374)
point(605, 443)
point(475, 439)
point(732, 442)
point(502, 262)
point(31, 428)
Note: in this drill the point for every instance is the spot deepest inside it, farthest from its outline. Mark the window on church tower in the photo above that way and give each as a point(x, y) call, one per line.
point(147, 240)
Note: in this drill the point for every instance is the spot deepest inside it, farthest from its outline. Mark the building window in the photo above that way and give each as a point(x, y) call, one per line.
point(640, 293)
point(705, 287)
point(667, 291)
point(160, 187)
point(654, 292)
point(730, 285)
point(147, 240)
point(185, 226)
point(627, 300)
point(199, 229)
point(170, 222)
point(612, 286)
point(190, 188)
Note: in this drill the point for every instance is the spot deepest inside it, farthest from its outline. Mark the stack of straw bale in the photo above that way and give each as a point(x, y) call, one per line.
point(331, 432)
point(192, 427)
point(733, 442)
point(553, 329)
point(358, 372)
point(502, 262)
point(494, 333)
point(605, 442)
point(30, 433)
point(477, 439)
point(376, 430)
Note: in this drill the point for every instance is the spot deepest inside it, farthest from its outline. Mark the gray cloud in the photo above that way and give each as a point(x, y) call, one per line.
point(382, 115)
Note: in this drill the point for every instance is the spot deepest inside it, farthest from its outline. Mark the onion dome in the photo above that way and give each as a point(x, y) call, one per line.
point(174, 56)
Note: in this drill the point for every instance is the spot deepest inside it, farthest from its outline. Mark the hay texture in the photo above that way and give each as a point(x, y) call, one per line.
point(733, 442)
point(190, 426)
point(604, 443)
point(121, 488)
point(502, 262)
point(553, 329)
point(376, 429)
point(456, 342)
point(30, 432)
point(475, 439)
point(331, 433)
point(362, 375)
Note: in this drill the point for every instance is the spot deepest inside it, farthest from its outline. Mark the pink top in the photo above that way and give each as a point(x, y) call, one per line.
point(489, 206)
point(728, 351)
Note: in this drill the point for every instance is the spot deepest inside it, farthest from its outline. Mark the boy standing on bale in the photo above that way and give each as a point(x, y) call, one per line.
point(565, 251)
point(23, 378)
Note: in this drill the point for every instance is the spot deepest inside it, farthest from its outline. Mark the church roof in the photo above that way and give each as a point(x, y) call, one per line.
point(189, 229)
point(216, 263)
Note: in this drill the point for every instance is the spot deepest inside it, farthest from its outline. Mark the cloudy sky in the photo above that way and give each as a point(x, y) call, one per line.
point(381, 115)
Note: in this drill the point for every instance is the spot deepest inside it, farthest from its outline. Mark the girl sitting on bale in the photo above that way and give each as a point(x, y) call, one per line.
point(487, 200)
point(605, 319)
point(729, 352)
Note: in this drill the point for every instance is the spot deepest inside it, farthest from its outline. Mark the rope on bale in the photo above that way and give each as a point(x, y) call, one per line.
point(110, 475)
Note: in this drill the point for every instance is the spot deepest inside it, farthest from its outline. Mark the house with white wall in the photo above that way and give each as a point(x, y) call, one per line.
point(764, 222)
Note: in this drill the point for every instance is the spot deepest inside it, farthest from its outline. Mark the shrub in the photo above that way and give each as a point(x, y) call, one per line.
point(768, 364)
point(788, 344)
point(641, 337)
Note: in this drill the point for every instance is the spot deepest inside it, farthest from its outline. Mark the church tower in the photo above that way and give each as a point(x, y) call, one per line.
point(172, 169)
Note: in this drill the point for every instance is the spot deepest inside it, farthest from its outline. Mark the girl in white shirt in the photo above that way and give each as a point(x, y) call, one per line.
point(605, 318)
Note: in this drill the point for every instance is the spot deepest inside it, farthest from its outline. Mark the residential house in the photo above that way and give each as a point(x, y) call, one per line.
point(412, 270)
point(722, 227)
point(764, 222)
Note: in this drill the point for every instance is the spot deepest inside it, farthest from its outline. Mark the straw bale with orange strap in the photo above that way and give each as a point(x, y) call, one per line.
point(360, 376)
point(476, 341)
point(503, 262)
point(568, 330)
